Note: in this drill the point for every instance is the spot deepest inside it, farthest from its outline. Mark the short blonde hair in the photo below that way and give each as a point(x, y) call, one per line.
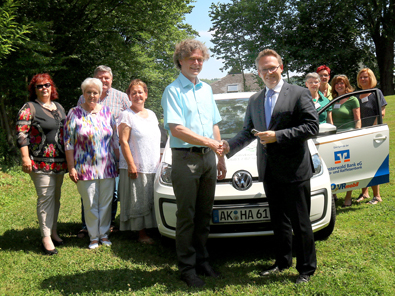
point(185, 48)
point(92, 81)
point(373, 80)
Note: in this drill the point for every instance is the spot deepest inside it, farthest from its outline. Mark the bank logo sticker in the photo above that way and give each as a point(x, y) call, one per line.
point(342, 156)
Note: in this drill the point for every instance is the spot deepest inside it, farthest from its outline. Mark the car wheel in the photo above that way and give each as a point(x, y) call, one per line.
point(327, 231)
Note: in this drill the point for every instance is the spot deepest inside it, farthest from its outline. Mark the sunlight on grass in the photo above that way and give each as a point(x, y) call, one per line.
point(357, 259)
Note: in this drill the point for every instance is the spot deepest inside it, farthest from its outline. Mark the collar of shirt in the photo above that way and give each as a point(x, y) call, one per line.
point(185, 82)
point(277, 88)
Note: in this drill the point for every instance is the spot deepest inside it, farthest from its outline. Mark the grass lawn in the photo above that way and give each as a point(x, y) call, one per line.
point(357, 259)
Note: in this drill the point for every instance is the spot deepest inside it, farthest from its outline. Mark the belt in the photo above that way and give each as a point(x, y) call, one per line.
point(202, 150)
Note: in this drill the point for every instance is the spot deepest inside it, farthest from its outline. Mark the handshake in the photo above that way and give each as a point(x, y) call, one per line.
point(221, 147)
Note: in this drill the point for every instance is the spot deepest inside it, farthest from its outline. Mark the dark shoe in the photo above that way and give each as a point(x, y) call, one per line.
point(346, 206)
point(302, 278)
point(58, 243)
point(49, 252)
point(273, 270)
point(82, 233)
point(192, 280)
point(207, 270)
point(113, 228)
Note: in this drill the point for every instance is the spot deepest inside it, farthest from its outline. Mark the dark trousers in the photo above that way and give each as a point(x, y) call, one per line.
point(194, 179)
point(289, 205)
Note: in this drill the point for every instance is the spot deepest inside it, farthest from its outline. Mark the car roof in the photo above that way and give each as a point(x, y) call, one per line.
point(235, 95)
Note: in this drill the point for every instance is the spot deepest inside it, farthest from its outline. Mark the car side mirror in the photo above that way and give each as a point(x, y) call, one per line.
point(327, 129)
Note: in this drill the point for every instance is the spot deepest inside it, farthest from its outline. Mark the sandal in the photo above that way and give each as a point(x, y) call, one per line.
point(361, 197)
point(82, 233)
point(374, 201)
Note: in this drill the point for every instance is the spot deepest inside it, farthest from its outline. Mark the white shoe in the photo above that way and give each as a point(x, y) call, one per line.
point(106, 242)
point(93, 245)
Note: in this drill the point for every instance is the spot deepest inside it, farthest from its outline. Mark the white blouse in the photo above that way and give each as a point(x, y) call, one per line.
point(144, 141)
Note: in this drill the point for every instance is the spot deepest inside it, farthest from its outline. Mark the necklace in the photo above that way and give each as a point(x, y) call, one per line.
point(50, 106)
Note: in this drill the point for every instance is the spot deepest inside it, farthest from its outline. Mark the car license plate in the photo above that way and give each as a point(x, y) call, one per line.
point(241, 215)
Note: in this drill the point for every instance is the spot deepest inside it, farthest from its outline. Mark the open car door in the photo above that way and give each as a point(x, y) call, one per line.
point(356, 158)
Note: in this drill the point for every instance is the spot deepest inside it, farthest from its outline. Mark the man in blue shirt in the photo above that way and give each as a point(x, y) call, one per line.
point(191, 115)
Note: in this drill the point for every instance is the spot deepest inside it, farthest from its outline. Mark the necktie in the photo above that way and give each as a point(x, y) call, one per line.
point(268, 106)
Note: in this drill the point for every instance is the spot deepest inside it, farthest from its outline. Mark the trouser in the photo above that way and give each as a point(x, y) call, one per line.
point(194, 179)
point(114, 205)
point(96, 196)
point(289, 205)
point(48, 188)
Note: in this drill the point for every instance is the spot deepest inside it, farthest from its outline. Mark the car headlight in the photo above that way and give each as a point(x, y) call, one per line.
point(317, 164)
point(165, 174)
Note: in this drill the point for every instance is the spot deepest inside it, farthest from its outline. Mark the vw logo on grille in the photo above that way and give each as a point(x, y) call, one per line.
point(242, 180)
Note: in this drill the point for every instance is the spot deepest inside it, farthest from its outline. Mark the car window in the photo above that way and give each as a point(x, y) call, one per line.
point(232, 112)
point(343, 120)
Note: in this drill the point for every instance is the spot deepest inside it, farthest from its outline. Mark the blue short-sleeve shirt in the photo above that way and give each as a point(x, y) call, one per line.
point(189, 105)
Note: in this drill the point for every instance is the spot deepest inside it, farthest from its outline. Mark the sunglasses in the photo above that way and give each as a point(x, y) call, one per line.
point(46, 85)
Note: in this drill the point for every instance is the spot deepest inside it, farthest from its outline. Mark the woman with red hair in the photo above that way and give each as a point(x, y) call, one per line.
point(40, 139)
point(325, 76)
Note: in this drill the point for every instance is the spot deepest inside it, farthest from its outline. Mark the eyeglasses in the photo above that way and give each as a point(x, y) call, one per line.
point(270, 70)
point(46, 85)
point(313, 82)
point(324, 75)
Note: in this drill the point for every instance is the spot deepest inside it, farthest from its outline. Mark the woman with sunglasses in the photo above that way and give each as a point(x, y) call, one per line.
point(40, 139)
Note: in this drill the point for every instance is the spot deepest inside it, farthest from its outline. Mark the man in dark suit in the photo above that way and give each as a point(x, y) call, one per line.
point(286, 118)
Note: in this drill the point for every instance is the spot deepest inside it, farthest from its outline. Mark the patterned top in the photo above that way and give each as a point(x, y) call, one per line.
point(42, 131)
point(144, 141)
point(116, 100)
point(91, 136)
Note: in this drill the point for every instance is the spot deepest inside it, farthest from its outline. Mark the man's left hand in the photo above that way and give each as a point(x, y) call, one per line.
point(267, 137)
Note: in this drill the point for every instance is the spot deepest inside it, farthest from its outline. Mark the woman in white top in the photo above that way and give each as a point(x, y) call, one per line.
point(139, 137)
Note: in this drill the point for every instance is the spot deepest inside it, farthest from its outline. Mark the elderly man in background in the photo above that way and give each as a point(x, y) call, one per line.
point(325, 76)
point(117, 101)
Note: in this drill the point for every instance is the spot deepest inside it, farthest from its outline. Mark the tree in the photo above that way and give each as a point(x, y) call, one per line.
point(377, 18)
point(307, 34)
point(69, 39)
point(10, 31)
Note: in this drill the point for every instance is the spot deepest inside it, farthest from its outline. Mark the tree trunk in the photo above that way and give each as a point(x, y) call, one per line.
point(6, 125)
point(385, 61)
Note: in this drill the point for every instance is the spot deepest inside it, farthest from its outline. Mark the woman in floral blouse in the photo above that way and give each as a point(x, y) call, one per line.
point(40, 139)
point(92, 150)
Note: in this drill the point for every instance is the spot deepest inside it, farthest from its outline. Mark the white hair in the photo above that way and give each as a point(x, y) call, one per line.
point(92, 81)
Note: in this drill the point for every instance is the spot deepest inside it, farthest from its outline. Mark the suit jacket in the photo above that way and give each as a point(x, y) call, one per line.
point(294, 120)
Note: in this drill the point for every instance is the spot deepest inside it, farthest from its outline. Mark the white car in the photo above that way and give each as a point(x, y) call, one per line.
point(343, 160)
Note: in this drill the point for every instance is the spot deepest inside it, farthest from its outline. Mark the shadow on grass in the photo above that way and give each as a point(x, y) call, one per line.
point(239, 260)
point(29, 239)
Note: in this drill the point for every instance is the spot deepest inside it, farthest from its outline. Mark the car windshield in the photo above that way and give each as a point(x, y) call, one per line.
point(232, 112)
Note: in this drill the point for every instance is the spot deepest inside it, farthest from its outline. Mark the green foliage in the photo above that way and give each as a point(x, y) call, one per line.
point(69, 39)
point(11, 32)
point(307, 34)
point(210, 81)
